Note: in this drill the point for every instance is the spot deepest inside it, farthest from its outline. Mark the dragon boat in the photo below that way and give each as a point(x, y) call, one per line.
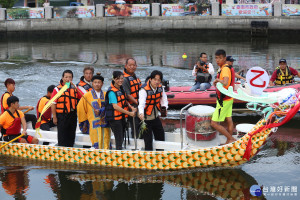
point(278, 108)
point(178, 96)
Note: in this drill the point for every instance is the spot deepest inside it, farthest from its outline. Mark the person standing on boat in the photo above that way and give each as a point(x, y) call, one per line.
point(10, 86)
point(64, 111)
point(47, 121)
point(11, 121)
point(229, 61)
point(117, 108)
point(223, 111)
point(98, 129)
point(131, 86)
point(203, 71)
point(85, 84)
point(152, 98)
point(283, 74)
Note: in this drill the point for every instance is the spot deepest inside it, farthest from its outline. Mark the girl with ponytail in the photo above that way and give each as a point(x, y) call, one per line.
point(117, 108)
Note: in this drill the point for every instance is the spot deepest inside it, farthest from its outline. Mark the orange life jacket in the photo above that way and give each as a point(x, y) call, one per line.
point(153, 99)
point(111, 113)
point(46, 117)
point(68, 101)
point(2, 107)
point(220, 96)
point(85, 85)
point(135, 85)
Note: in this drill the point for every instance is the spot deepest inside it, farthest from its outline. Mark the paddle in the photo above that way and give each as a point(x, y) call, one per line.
point(27, 111)
point(48, 105)
point(11, 141)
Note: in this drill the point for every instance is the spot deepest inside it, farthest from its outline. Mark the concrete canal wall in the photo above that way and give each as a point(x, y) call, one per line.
point(148, 25)
point(154, 24)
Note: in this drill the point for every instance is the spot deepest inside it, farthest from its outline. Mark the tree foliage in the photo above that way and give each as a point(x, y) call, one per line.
point(7, 3)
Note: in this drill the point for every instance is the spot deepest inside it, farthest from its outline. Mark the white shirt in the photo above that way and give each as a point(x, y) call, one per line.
point(82, 89)
point(210, 70)
point(143, 97)
point(98, 94)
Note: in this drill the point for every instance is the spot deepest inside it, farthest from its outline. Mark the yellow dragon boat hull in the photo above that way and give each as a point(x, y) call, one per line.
point(220, 156)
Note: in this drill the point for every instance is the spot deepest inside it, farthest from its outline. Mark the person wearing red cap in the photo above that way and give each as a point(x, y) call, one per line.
point(283, 74)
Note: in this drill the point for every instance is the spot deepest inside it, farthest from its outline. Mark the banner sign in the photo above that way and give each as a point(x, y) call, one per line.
point(74, 12)
point(25, 13)
point(172, 10)
point(247, 9)
point(184, 10)
point(290, 9)
point(134, 10)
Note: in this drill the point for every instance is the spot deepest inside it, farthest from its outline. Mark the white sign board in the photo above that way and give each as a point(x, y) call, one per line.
point(258, 80)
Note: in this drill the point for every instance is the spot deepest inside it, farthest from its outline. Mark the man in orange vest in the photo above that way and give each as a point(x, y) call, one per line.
point(152, 98)
point(64, 111)
point(11, 121)
point(46, 122)
point(223, 112)
point(85, 83)
point(131, 86)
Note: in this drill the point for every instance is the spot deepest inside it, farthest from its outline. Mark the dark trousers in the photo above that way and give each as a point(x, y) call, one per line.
point(153, 126)
point(47, 126)
point(31, 118)
point(137, 126)
point(66, 128)
point(118, 128)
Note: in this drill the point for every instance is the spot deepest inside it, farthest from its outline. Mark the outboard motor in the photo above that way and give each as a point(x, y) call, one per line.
point(165, 84)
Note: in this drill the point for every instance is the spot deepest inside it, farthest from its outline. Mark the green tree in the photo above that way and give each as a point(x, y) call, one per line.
point(7, 3)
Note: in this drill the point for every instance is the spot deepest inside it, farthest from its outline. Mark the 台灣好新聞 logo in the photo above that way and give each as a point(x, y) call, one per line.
point(255, 190)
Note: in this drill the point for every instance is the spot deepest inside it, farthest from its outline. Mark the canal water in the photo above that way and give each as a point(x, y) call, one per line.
point(37, 63)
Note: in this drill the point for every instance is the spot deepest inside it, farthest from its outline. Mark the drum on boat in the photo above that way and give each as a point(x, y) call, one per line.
point(197, 123)
point(243, 129)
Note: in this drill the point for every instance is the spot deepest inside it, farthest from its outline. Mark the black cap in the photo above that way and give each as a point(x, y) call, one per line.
point(282, 60)
point(230, 58)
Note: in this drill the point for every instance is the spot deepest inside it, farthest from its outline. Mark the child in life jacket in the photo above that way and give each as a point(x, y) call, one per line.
point(11, 121)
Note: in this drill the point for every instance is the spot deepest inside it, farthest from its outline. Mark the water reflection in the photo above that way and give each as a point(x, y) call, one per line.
point(227, 184)
point(158, 51)
point(15, 181)
point(70, 181)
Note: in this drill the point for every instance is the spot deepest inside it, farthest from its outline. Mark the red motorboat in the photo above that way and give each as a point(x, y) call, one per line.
point(180, 95)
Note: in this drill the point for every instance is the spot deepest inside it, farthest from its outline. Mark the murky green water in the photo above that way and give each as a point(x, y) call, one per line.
point(36, 64)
